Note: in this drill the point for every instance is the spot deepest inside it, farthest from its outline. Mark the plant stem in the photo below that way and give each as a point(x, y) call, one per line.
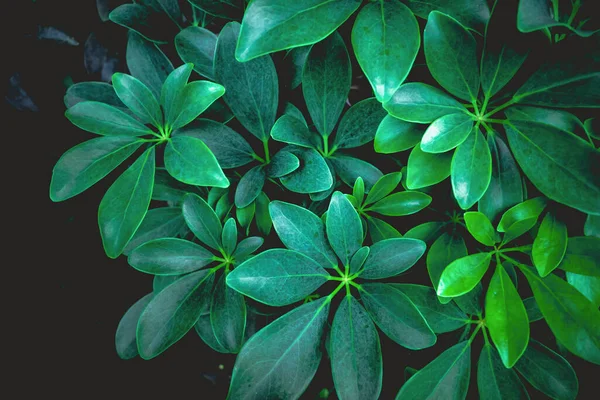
point(258, 158)
point(325, 145)
point(266, 149)
point(502, 107)
point(520, 248)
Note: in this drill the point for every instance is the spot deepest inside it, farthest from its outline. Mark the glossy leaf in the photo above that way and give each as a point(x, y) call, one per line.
point(289, 129)
point(147, 63)
point(229, 236)
point(135, 95)
point(582, 256)
point(125, 340)
point(202, 220)
point(172, 94)
point(381, 230)
point(228, 316)
point(456, 71)
point(358, 260)
point(356, 360)
point(384, 186)
point(447, 132)
point(462, 275)
point(196, 97)
point(520, 218)
point(391, 257)
point(471, 170)
point(427, 169)
point(385, 62)
point(397, 316)
point(494, 380)
point(277, 277)
point(350, 168)
point(358, 190)
point(282, 163)
point(549, 245)
point(197, 45)
point(418, 102)
point(359, 124)
point(158, 223)
point(446, 249)
point(312, 176)
point(326, 81)
point(344, 229)
point(169, 256)
point(246, 247)
point(100, 92)
point(394, 135)
point(281, 359)
point(125, 204)
point(471, 13)
point(589, 286)
point(481, 228)
point(427, 232)
point(103, 119)
point(401, 203)
point(250, 186)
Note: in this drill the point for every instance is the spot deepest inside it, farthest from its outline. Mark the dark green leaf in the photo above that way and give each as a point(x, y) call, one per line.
point(358, 260)
point(312, 176)
point(533, 311)
point(381, 230)
point(472, 302)
point(273, 25)
point(289, 129)
point(356, 362)
point(282, 163)
point(202, 220)
point(229, 236)
point(204, 330)
point(394, 135)
point(172, 96)
point(589, 286)
point(520, 218)
point(401, 203)
point(296, 58)
point(426, 169)
point(536, 15)
point(252, 88)
point(280, 360)
point(147, 63)
point(326, 81)
point(384, 186)
point(549, 245)
point(344, 229)
point(140, 19)
point(350, 168)
point(446, 249)
point(228, 316)
point(427, 232)
point(169, 256)
point(135, 95)
point(386, 62)
point(100, 92)
point(397, 316)
point(197, 45)
point(462, 275)
point(456, 71)
point(263, 219)
point(125, 341)
point(228, 9)
point(196, 98)
point(103, 119)
point(158, 223)
point(391, 257)
point(494, 380)
point(359, 124)
point(247, 247)
point(358, 190)
point(447, 132)
point(481, 228)
point(125, 204)
point(250, 186)
point(472, 13)
point(582, 256)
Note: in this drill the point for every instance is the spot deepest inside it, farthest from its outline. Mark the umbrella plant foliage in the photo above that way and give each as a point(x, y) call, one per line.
point(312, 181)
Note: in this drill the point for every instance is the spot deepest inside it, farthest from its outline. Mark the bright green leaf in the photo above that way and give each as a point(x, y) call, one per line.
point(461, 275)
point(549, 245)
point(169, 256)
point(391, 257)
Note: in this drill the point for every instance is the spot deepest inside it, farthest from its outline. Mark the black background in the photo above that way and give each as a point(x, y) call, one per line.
point(63, 296)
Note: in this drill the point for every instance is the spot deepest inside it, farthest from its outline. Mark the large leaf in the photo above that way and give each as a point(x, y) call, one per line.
point(228, 316)
point(446, 377)
point(125, 340)
point(251, 88)
point(550, 244)
point(418, 102)
point(350, 168)
point(506, 318)
point(471, 170)
point(456, 71)
point(397, 316)
point(394, 135)
point(548, 372)
point(169, 256)
point(280, 360)
point(426, 169)
point(401, 203)
point(359, 124)
point(312, 176)
point(446, 249)
point(135, 95)
point(273, 25)
point(326, 82)
point(573, 319)
point(543, 151)
point(494, 380)
point(462, 275)
point(87, 163)
point(302, 231)
point(202, 220)
point(147, 63)
point(344, 229)
point(472, 13)
point(447, 132)
point(277, 277)
point(391, 257)
point(250, 186)
point(582, 256)
point(197, 46)
point(104, 119)
point(125, 204)
point(356, 362)
point(163, 222)
point(384, 60)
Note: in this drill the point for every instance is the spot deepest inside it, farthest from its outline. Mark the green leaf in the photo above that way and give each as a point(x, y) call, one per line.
point(250, 186)
point(100, 92)
point(505, 189)
point(582, 256)
point(440, 317)
point(273, 25)
point(172, 96)
point(196, 98)
point(506, 318)
point(472, 302)
point(384, 186)
point(172, 313)
point(481, 228)
point(147, 63)
point(252, 88)
point(446, 377)
point(548, 372)
point(394, 135)
point(427, 169)
point(533, 311)
point(169, 256)
point(471, 13)
point(125, 341)
point(125, 204)
point(542, 150)
point(401, 203)
point(263, 219)
point(494, 380)
point(359, 124)
point(418, 102)
point(358, 260)
point(103, 119)
point(447, 132)
point(549, 245)
point(162, 281)
point(358, 190)
point(446, 249)
point(135, 95)
point(326, 81)
point(289, 129)
point(227, 9)
point(277, 277)
point(456, 71)
point(196, 45)
point(427, 232)
point(295, 59)
point(229, 147)
point(228, 316)
point(536, 15)
point(558, 118)
point(573, 319)
point(247, 247)
point(229, 236)
point(281, 359)
point(462, 275)
point(140, 19)
point(204, 330)
point(356, 361)
point(381, 230)
point(87, 163)
point(189, 160)
point(302, 231)
point(312, 176)
point(471, 170)
point(282, 163)
point(385, 62)
point(350, 168)
point(589, 286)
point(391, 257)
point(344, 229)
point(158, 223)
point(397, 316)
point(202, 220)
point(520, 218)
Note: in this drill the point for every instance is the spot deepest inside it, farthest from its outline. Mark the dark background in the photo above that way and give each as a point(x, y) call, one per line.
point(65, 297)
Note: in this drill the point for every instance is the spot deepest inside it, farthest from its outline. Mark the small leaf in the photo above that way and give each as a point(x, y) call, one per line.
point(246, 247)
point(282, 163)
point(462, 275)
point(125, 341)
point(381, 230)
point(481, 228)
point(550, 244)
point(147, 63)
point(158, 223)
point(312, 176)
point(102, 119)
point(358, 190)
point(427, 169)
point(229, 236)
point(418, 102)
point(350, 168)
point(196, 97)
point(202, 220)
point(391, 257)
point(197, 45)
point(401, 203)
point(384, 186)
point(169, 256)
point(172, 96)
point(520, 218)
point(263, 219)
point(289, 129)
point(228, 316)
point(277, 277)
point(344, 230)
point(359, 124)
point(427, 232)
point(471, 13)
point(358, 260)
point(135, 95)
point(446, 133)
point(494, 380)
point(394, 135)
point(250, 186)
